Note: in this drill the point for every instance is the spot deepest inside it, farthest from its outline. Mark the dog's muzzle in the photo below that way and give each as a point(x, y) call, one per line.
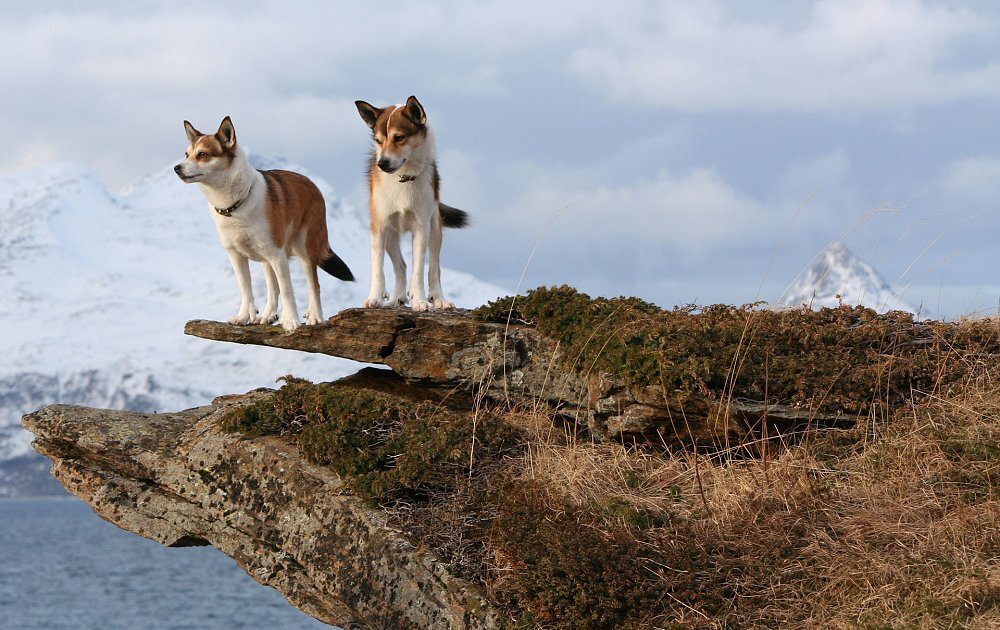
point(179, 169)
point(386, 165)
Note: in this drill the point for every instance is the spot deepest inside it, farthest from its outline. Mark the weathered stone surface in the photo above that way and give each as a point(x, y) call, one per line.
point(437, 349)
point(516, 365)
point(444, 350)
point(177, 479)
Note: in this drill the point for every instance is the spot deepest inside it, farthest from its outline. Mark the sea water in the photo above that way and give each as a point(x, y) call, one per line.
point(61, 566)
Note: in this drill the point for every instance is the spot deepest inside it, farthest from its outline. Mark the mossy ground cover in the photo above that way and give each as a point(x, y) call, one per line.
point(846, 360)
point(385, 447)
point(889, 523)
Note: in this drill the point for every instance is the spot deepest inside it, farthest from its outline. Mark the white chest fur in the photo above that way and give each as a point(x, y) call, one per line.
point(247, 229)
point(399, 203)
point(249, 235)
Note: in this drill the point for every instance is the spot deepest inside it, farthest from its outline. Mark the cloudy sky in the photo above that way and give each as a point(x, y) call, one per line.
point(689, 151)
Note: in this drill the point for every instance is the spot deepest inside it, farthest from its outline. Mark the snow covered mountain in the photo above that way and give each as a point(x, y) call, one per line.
point(98, 286)
point(836, 276)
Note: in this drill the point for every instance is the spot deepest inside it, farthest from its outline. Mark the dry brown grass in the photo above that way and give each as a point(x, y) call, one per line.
point(893, 523)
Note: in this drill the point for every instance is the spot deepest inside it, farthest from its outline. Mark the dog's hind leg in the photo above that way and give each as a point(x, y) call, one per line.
point(417, 295)
point(248, 311)
point(435, 294)
point(314, 312)
point(289, 312)
point(398, 297)
point(270, 314)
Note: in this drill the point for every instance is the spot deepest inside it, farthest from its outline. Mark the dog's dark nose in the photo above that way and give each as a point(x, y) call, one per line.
point(384, 165)
point(177, 169)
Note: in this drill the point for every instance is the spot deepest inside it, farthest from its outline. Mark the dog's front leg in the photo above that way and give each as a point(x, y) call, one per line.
point(435, 294)
point(270, 314)
point(377, 294)
point(398, 296)
point(289, 312)
point(248, 311)
point(417, 295)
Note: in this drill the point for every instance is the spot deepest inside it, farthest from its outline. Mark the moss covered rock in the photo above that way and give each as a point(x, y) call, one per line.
point(384, 446)
point(847, 360)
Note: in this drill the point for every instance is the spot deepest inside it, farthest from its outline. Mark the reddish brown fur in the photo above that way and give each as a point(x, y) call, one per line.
point(205, 148)
point(293, 205)
point(394, 124)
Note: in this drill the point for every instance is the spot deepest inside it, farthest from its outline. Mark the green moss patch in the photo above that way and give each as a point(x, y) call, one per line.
point(842, 360)
point(569, 571)
point(385, 447)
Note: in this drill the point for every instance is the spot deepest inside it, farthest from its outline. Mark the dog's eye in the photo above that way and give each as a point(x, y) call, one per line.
point(201, 154)
point(398, 138)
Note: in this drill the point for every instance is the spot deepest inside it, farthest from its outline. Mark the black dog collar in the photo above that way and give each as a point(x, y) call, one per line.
point(228, 212)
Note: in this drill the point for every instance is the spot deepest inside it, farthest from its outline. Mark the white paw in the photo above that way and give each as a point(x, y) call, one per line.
point(312, 319)
point(289, 323)
point(242, 319)
point(421, 305)
point(442, 304)
point(266, 318)
point(373, 302)
point(399, 299)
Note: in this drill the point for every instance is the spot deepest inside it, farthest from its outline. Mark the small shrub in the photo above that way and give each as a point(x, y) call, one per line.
point(383, 446)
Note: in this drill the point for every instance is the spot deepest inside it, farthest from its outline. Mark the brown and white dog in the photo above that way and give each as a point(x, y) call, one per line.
point(403, 187)
point(265, 216)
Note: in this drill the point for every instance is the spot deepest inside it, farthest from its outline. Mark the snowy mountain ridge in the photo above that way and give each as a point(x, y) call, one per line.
point(837, 276)
point(99, 286)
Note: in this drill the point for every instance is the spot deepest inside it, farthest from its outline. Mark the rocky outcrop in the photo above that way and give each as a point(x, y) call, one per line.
point(514, 364)
point(434, 350)
point(176, 478)
point(179, 479)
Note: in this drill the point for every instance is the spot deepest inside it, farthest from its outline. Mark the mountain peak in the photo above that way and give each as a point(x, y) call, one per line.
point(837, 276)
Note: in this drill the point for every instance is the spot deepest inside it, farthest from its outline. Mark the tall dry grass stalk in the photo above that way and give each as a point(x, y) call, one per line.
point(893, 523)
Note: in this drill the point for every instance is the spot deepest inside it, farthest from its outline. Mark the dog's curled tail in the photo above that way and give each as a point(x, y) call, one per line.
point(453, 217)
point(336, 267)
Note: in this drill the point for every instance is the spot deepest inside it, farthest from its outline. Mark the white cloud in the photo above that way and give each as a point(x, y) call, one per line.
point(816, 173)
point(972, 180)
point(690, 213)
point(849, 55)
point(104, 82)
point(652, 124)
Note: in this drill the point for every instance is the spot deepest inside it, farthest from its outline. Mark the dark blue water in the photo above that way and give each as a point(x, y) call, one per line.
point(61, 566)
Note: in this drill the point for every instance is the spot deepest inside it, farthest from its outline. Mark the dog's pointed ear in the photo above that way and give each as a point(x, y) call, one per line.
point(415, 111)
point(191, 132)
point(369, 113)
point(226, 133)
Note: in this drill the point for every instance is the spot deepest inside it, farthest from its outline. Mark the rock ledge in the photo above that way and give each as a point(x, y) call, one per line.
point(179, 480)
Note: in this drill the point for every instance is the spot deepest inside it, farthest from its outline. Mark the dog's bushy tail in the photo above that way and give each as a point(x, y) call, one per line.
point(453, 217)
point(336, 267)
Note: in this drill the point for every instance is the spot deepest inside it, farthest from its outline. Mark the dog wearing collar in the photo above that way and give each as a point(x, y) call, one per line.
point(265, 216)
point(403, 185)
